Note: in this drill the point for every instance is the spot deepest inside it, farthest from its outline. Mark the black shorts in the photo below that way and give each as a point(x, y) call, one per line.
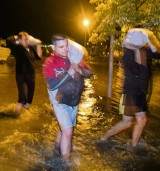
point(134, 104)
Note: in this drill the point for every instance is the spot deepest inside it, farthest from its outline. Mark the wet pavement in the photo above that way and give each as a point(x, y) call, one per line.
point(27, 141)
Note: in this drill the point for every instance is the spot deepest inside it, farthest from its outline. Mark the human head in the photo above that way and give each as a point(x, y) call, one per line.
point(60, 45)
point(23, 38)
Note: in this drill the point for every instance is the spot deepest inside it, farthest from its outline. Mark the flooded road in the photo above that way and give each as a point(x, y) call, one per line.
point(27, 142)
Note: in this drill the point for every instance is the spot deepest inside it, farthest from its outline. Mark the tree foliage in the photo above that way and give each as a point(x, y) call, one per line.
point(110, 15)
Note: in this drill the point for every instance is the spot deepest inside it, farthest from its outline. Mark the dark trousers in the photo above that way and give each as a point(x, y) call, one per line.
point(26, 87)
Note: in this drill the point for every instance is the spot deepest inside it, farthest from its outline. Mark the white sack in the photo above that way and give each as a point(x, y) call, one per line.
point(139, 37)
point(76, 51)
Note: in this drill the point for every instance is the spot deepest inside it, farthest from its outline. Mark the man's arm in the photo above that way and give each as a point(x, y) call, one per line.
point(154, 55)
point(36, 42)
point(11, 42)
point(83, 69)
point(39, 50)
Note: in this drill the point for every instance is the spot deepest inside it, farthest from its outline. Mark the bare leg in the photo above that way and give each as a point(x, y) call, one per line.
point(58, 138)
point(66, 143)
point(120, 126)
point(138, 128)
point(57, 143)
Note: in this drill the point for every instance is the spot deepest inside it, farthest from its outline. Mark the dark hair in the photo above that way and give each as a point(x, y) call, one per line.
point(22, 33)
point(57, 37)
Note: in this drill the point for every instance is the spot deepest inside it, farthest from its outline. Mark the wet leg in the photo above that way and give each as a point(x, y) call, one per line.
point(138, 128)
point(58, 139)
point(120, 126)
point(66, 143)
point(21, 92)
point(30, 81)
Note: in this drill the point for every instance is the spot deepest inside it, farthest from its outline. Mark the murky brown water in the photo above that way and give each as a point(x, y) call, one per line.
point(27, 142)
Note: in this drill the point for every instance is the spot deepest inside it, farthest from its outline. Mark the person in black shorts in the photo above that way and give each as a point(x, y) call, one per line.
point(136, 75)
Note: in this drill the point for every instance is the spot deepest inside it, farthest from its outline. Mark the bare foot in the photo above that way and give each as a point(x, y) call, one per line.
point(27, 105)
point(102, 139)
point(66, 157)
point(19, 108)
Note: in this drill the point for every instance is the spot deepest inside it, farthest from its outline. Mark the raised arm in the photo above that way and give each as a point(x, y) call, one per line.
point(151, 54)
point(36, 42)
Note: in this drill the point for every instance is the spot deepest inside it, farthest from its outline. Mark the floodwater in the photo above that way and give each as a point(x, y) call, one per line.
point(27, 141)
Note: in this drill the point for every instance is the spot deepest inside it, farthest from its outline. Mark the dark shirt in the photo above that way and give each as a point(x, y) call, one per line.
point(24, 57)
point(136, 75)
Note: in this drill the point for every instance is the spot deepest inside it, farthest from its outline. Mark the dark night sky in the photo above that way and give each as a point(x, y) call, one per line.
point(42, 18)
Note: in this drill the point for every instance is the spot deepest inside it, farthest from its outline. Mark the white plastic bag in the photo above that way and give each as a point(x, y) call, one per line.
point(139, 37)
point(33, 41)
point(76, 51)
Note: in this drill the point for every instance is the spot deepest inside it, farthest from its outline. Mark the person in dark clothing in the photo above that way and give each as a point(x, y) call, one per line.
point(136, 70)
point(22, 49)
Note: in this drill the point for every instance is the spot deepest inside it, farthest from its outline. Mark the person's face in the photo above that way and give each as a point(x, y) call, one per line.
point(61, 48)
point(24, 41)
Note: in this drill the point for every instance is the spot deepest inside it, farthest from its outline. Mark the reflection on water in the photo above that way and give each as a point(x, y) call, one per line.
point(4, 70)
point(27, 141)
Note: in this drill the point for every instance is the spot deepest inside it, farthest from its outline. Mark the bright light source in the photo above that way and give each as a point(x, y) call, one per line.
point(86, 22)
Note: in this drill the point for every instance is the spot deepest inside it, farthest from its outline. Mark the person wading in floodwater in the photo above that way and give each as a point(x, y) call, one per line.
point(65, 81)
point(22, 49)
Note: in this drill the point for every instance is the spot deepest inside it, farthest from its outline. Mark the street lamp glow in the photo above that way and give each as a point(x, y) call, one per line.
point(86, 22)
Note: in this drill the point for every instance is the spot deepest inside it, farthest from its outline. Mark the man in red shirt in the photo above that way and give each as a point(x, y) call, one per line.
point(65, 81)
